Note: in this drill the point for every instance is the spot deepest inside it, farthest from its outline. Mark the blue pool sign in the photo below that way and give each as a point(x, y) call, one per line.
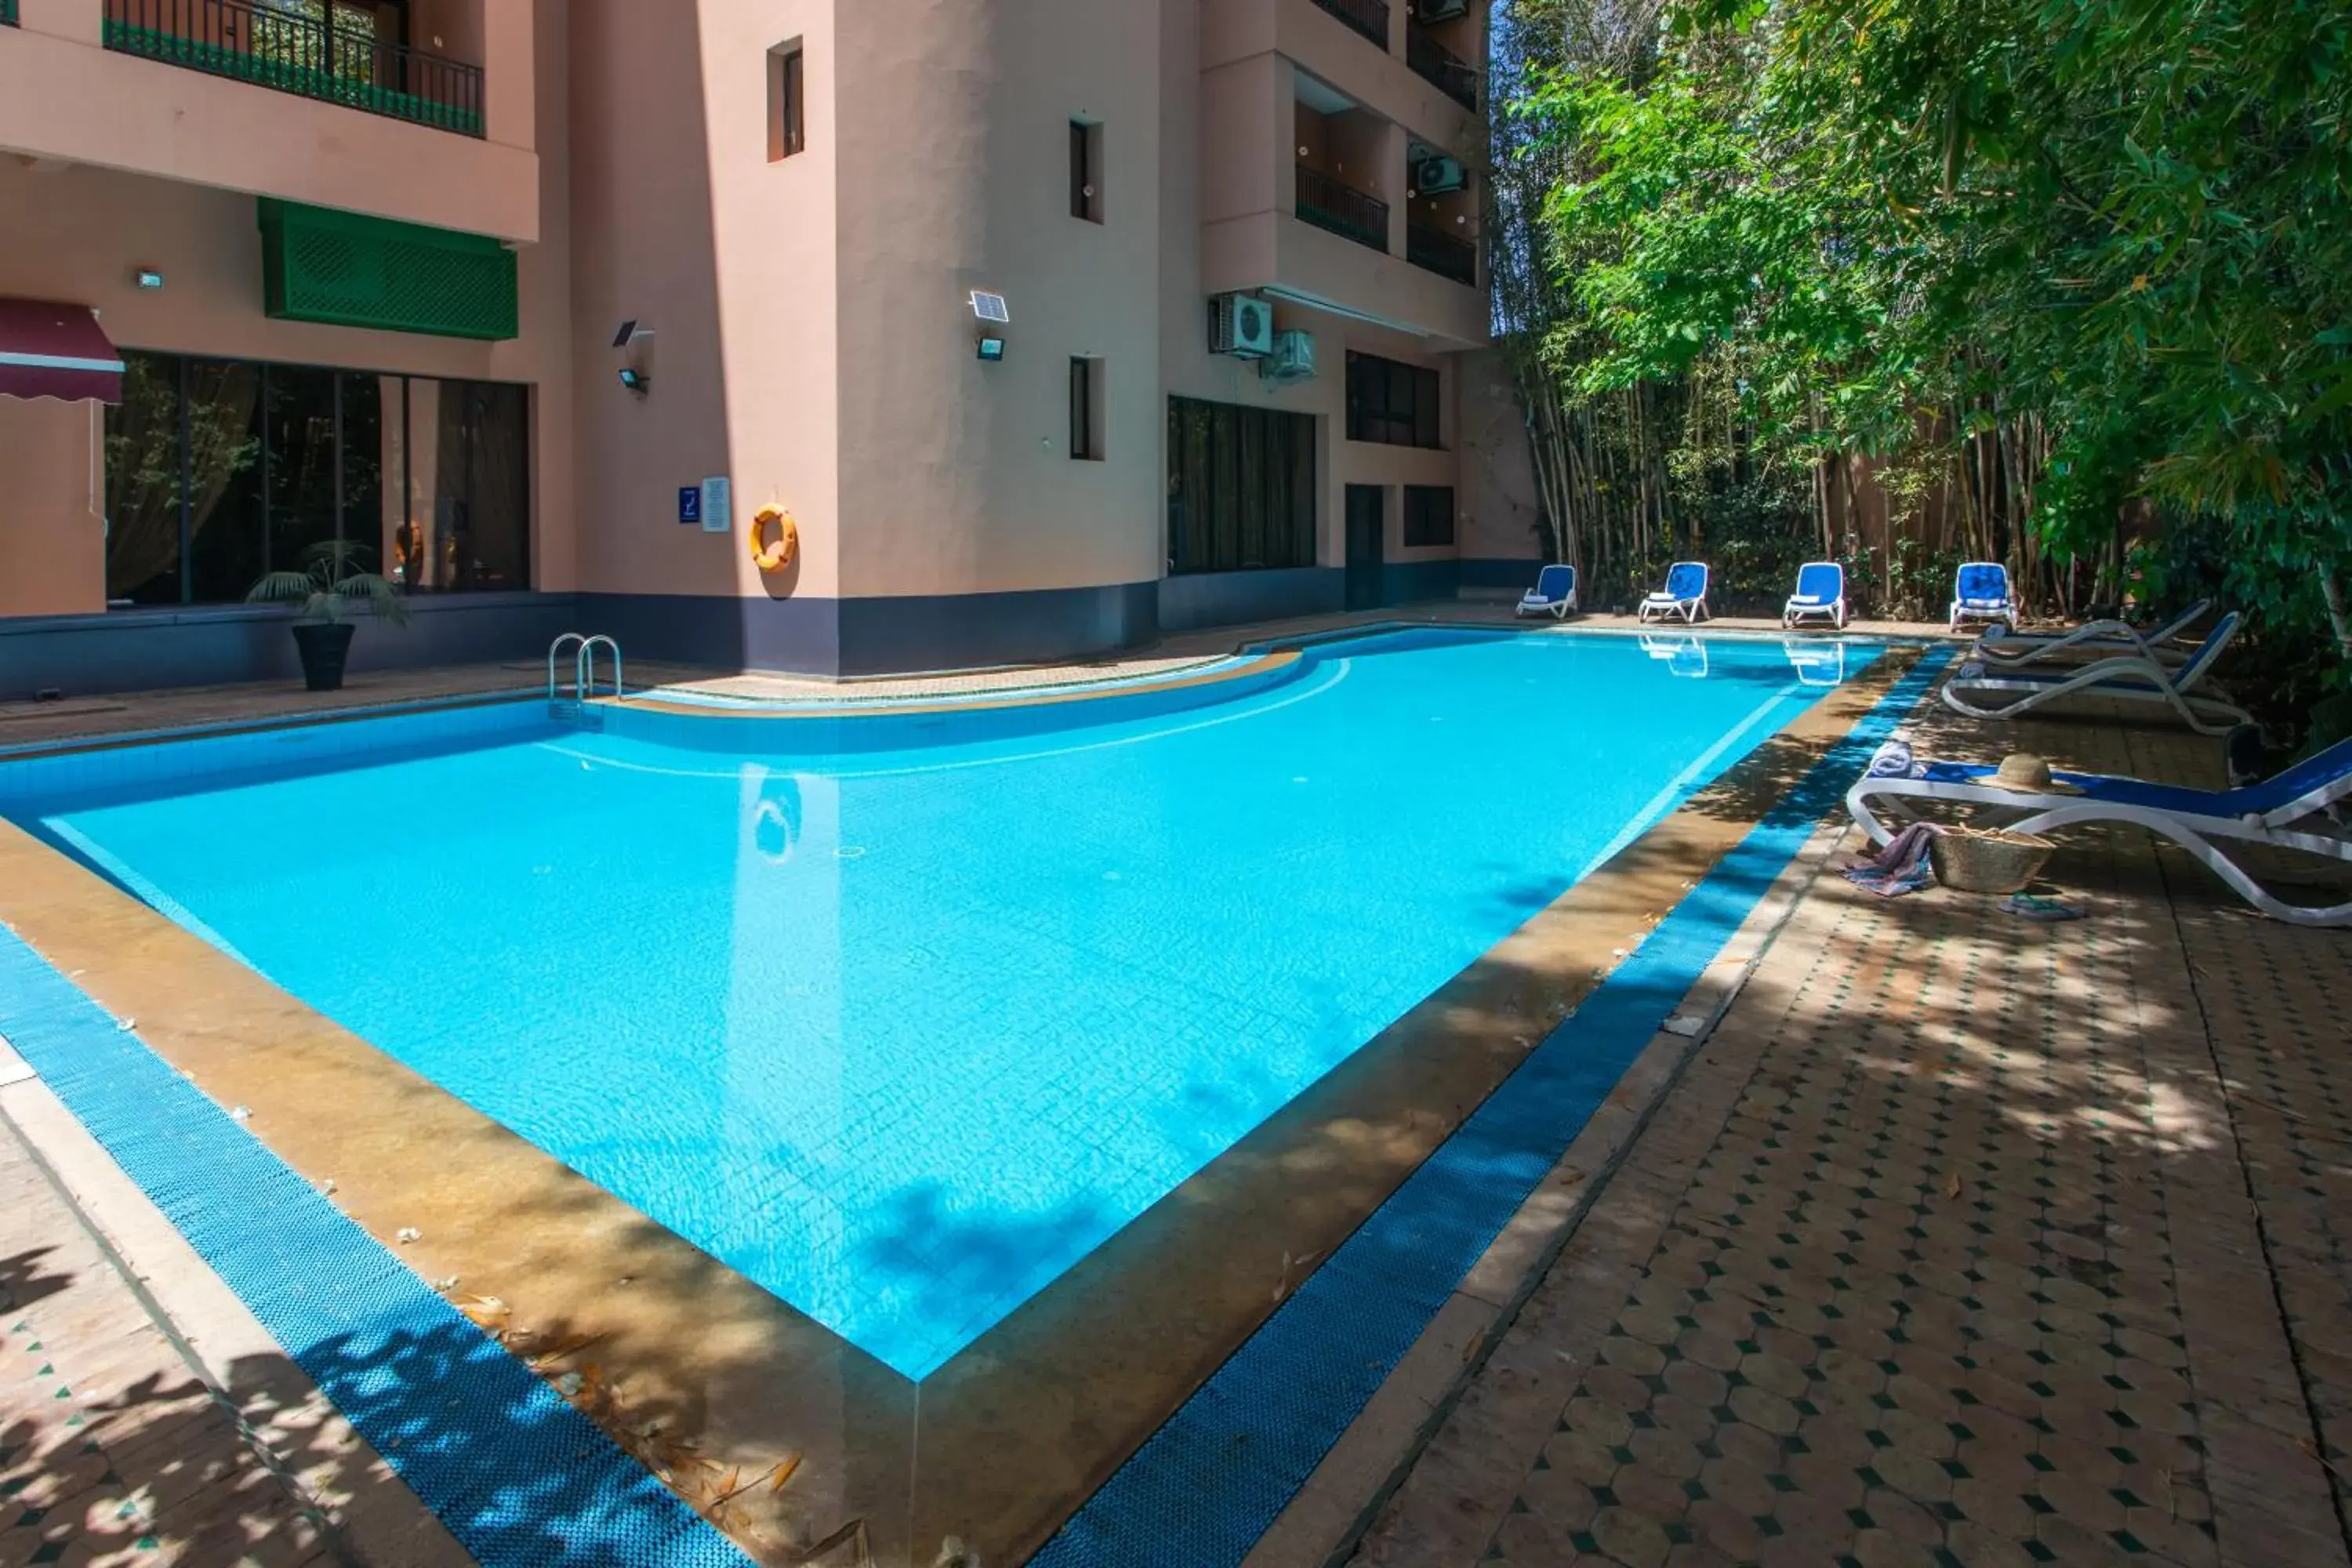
point(689, 504)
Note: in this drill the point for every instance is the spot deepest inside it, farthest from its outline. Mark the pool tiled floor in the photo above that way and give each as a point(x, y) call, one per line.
point(1963, 1240)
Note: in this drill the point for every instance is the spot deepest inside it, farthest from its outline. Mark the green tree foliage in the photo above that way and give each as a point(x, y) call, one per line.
point(2087, 264)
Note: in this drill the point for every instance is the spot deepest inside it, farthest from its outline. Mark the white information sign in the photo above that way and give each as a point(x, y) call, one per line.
point(718, 506)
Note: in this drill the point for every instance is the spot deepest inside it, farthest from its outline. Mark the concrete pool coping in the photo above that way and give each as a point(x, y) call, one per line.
point(1146, 1318)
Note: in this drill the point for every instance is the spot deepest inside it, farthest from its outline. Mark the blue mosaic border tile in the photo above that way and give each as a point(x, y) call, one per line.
point(522, 1479)
point(1213, 1478)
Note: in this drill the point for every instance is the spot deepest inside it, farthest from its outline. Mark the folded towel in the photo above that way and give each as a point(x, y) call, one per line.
point(1893, 760)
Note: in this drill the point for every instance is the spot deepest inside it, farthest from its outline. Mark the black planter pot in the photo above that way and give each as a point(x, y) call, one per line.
point(324, 645)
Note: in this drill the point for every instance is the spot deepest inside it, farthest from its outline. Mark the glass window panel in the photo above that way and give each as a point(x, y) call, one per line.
point(142, 483)
point(1241, 487)
point(298, 423)
point(226, 469)
point(363, 467)
point(480, 521)
point(1428, 515)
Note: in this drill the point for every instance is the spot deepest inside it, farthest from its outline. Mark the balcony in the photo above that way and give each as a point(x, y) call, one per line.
point(1440, 67)
point(1369, 17)
point(321, 49)
point(1344, 210)
point(1432, 250)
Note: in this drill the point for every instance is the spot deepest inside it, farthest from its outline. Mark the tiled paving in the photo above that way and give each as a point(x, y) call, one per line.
point(112, 1450)
point(1942, 1252)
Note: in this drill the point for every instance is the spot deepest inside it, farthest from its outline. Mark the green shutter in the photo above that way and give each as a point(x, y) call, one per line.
point(319, 265)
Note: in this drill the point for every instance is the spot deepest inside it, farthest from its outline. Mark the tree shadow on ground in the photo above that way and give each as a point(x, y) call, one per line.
point(1941, 1244)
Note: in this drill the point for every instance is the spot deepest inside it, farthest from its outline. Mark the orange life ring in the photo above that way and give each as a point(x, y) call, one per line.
point(777, 556)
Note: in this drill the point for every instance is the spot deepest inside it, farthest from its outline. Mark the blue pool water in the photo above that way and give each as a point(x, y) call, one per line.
point(903, 1033)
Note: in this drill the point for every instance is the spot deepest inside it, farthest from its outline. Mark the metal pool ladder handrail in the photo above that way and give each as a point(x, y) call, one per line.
point(553, 649)
point(583, 667)
point(585, 683)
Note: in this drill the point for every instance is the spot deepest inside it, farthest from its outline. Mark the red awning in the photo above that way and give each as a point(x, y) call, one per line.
point(50, 349)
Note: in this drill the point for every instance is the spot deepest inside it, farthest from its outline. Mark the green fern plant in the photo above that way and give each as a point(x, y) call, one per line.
point(333, 576)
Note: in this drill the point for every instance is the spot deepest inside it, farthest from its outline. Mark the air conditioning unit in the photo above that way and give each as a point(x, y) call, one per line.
point(1435, 176)
point(1241, 325)
point(1293, 359)
point(1427, 11)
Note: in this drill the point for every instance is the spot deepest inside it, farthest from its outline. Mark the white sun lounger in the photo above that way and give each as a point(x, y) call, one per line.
point(1984, 691)
point(1554, 593)
point(1820, 594)
point(2009, 649)
point(2299, 809)
point(1684, 594)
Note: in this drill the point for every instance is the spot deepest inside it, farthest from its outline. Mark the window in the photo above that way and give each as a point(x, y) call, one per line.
point(1428, 515)
point(787, 102)
point(1390, 402)
point(1086, 171)
point(1087, 410)
point(1241, 487)
point(220, 470)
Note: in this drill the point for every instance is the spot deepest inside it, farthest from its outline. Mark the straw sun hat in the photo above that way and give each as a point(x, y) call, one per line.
point(2024, 771)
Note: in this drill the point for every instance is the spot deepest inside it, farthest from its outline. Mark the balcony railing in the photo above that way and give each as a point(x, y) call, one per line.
point(1344, 210)
point(1440, 67)
point(314, 49)
point(1433, 250)
point(1369, 17)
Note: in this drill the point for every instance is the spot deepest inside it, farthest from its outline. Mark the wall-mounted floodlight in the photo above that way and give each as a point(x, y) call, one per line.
point(992, 349)
point(635, 380)
point(148, 277)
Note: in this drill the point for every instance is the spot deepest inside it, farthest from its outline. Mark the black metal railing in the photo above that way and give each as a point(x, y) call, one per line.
point(1440, 67)
point(1344, 210)
point(1432, 250)
point(315, 49)
point(1369, 17)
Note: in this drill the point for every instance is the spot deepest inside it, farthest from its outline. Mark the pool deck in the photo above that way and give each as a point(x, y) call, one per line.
point(1843, 991)
point(1960, 1239)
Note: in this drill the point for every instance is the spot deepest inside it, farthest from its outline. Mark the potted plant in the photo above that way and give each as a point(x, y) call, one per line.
point(332, 576)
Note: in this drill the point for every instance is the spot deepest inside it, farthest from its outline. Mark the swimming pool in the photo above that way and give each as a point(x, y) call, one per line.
point(902, 1031)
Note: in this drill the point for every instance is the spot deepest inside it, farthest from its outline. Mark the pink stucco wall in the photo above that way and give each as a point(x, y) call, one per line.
point(64, 96)
point(79, 232)
point(809, 335)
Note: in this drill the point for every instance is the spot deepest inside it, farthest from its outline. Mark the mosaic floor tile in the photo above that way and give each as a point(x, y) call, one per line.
point(1930, 1284)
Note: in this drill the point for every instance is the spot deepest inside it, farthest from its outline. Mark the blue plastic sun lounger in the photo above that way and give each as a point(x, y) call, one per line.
point(1554, 593)
point(1684, 594)
point(1981, 592)
point(1819, 595)
point(2300, 809)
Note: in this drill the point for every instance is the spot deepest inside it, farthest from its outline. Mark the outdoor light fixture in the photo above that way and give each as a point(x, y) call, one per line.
point(148, 277)
point(635, 380)
point(992, 349)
